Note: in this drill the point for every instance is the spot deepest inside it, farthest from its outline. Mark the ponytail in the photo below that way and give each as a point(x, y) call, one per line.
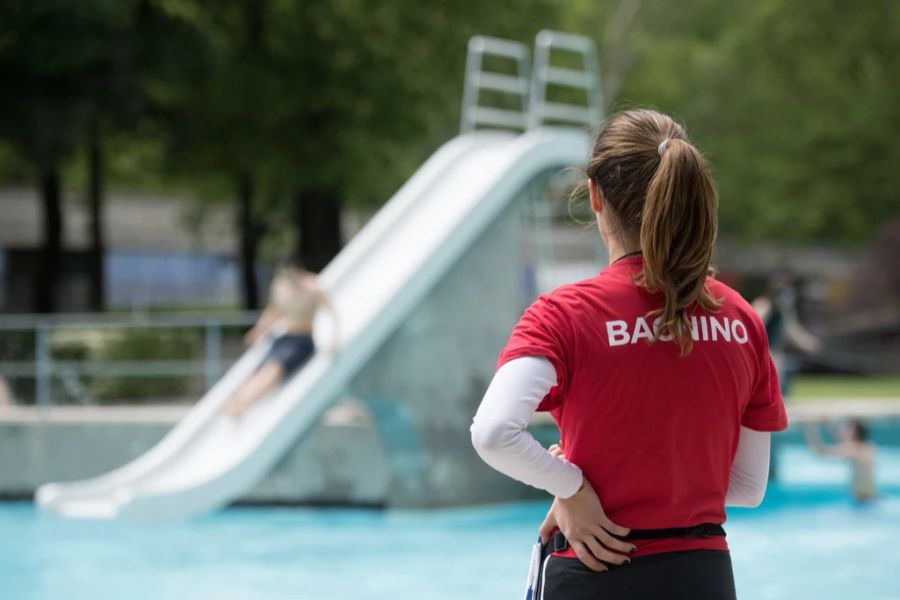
point(659, 189)
point(678, 230)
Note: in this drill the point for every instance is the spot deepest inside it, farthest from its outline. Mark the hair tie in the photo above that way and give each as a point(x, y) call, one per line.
point(662, 146)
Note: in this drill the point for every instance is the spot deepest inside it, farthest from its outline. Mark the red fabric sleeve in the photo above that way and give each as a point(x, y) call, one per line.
point(765, 411)
point(543, 331)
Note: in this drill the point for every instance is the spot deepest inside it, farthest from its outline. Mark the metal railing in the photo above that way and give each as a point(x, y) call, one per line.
point(547, 46)
point(529, 88)
point(45, 368)
point(513, 85)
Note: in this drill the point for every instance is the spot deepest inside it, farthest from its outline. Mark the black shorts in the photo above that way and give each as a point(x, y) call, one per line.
point(687, 575)
point(290, 351)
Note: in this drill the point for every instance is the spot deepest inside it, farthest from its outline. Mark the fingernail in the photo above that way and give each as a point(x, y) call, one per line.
point(633, 549)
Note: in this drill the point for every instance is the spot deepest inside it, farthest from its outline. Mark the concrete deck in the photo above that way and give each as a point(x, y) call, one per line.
point(344, 414)
point(344, 460)
point(341, 462)
point(811, 411)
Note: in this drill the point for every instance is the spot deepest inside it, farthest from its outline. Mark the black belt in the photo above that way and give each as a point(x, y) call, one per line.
point(559, 543)
point(703, 530)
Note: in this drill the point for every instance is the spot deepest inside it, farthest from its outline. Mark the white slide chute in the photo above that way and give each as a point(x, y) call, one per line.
point(209, 459)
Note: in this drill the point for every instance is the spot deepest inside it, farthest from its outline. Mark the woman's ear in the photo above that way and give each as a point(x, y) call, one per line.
point(596, 196)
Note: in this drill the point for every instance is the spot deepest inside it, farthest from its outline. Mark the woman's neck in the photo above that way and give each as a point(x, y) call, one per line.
point(621, 247)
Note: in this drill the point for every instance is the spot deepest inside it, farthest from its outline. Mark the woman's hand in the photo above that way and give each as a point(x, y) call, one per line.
point(582, 520)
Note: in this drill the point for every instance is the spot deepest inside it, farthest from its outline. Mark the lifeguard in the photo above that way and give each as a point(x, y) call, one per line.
point(659, 378)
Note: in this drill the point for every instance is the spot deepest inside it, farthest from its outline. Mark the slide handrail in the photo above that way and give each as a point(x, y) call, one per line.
point(530, 87)
point(510, 85)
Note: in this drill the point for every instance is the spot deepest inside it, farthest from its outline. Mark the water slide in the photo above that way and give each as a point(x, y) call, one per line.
point(208, 459)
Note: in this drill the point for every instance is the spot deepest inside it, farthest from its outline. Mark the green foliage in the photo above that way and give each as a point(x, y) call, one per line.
point(59, 62)
point(797, 104)
point(12, 168)
point(347, 95)
point(70, 350)
point(807, 388)
point(144, 345)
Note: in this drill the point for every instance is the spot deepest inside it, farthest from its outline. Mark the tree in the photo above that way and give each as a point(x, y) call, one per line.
point(796, 104)
point(810, 147)
point(372, 90)
point(114, 103)
point(47, 51)
point(216, 120)
point(301, 107)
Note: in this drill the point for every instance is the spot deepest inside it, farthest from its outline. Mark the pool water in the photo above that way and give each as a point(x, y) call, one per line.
point(808, 540)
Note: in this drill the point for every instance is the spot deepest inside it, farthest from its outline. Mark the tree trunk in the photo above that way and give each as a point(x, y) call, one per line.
point(47, 275)
point(96, 252)
point(247, 224)
point(249, 232)
point(318, 214)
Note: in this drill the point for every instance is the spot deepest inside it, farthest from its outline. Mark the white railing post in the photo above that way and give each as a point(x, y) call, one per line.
point(43, 368)
point(212, 341)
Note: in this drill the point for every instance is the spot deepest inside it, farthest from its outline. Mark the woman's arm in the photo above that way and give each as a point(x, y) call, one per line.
point(750, 470)
point(500, 437)
point(499, 432)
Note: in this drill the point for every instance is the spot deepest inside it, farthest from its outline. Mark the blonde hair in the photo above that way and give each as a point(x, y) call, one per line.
point(659, 188)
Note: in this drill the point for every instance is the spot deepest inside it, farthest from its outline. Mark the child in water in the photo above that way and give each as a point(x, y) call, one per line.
point(853, 443)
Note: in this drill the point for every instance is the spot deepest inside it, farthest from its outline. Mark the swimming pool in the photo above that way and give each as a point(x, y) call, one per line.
point(806, 541)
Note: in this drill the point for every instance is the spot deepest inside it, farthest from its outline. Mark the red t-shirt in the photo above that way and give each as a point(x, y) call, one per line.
point(654, 432)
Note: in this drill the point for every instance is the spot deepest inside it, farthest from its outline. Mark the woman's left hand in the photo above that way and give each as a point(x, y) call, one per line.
point(583, 521)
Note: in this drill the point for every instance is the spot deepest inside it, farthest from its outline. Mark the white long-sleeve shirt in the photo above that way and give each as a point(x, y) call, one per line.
point(500, 436)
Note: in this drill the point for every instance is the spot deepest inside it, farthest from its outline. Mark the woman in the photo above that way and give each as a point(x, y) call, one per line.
point(658, 376)
point(294, 298)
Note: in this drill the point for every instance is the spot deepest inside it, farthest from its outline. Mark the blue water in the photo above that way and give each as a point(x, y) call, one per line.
point(808, 540)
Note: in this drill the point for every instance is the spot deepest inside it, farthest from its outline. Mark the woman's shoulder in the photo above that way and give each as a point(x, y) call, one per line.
point(559, 305)
point(571, 294)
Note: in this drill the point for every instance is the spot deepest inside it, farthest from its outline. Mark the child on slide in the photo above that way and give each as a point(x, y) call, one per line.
point(294, 298)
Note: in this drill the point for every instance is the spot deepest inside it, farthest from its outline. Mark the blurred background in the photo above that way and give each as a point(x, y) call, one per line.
point(157, 158)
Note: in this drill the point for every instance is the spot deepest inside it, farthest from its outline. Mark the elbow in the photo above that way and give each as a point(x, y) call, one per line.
point(487, 437)
point(755, 498)
point(749, 495)
point(744, 501)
